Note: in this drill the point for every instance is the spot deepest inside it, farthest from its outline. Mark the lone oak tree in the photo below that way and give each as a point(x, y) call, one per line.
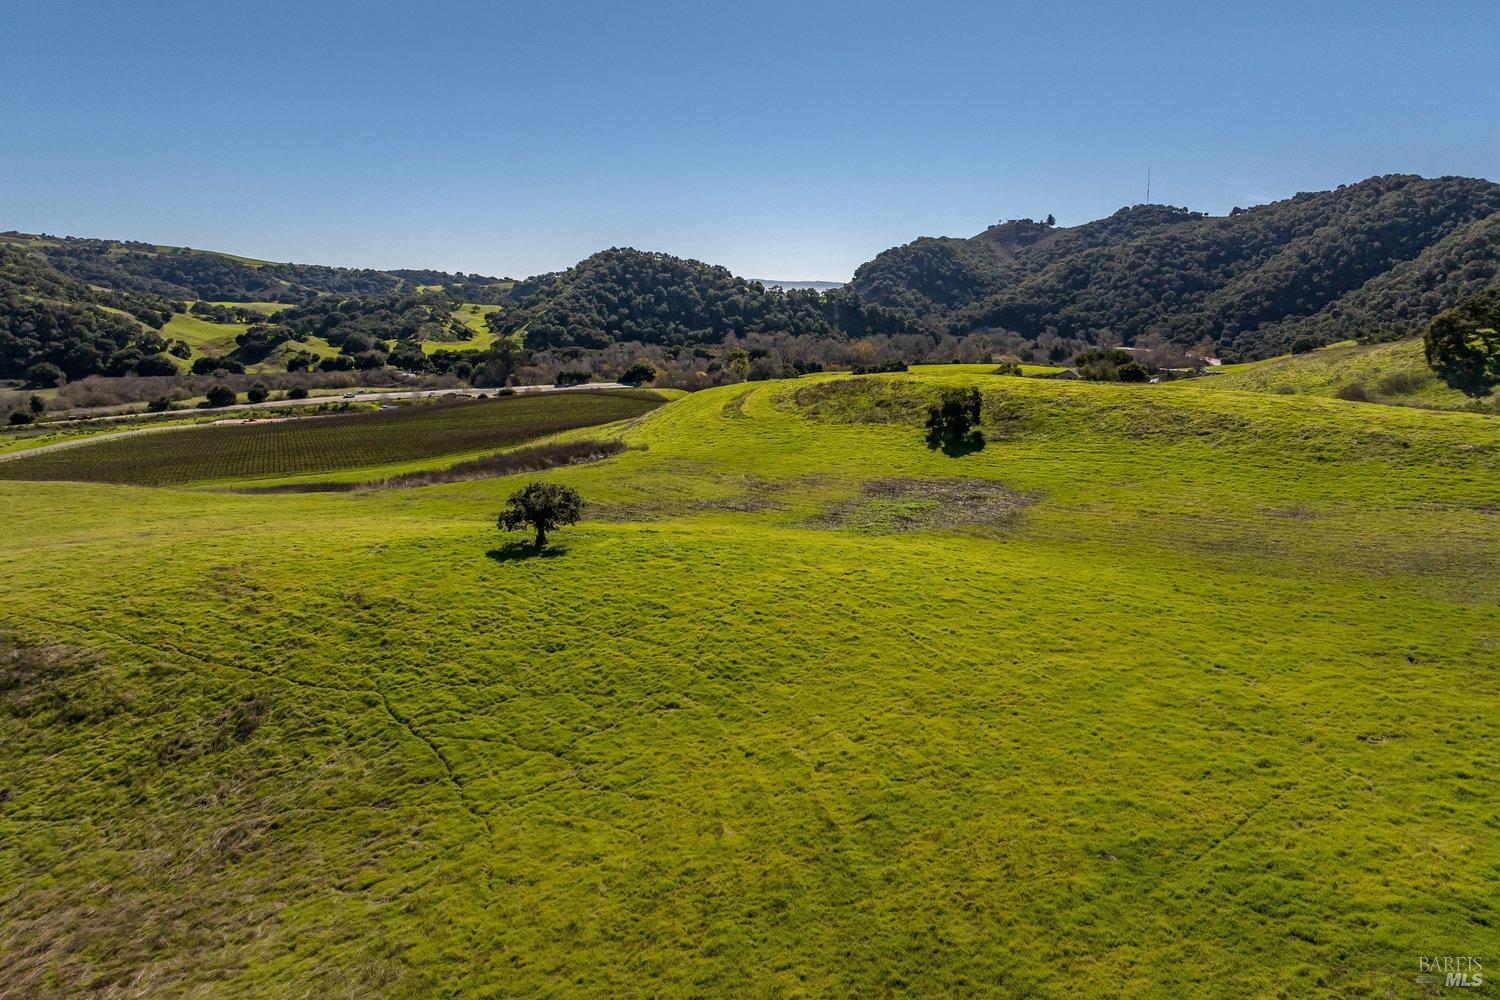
point(1463, 344)
point(952, 420)
point(542, 506)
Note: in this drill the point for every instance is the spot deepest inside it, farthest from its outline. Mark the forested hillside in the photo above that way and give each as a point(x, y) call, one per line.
point(1375, 259)
point(52, 327)
point(655, 298)
point(71, 308)
point(1372, 261)
point(181, 273)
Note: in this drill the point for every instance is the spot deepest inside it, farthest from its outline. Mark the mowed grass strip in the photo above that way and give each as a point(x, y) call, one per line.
point(406, 434)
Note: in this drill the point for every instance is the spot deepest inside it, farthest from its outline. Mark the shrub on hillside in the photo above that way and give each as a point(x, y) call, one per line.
point(1354, 392)
point(297, 392)
point(640, 373)
point(880, 369)
point(221, 395)
point(1108, 364)
point(45, 375)
point(258, 393)
point(210, 365)
point(1401, 383)
point(155, 364)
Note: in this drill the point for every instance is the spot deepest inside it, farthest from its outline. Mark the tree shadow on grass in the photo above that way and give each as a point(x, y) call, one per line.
point(516, 551)
point(966, 445)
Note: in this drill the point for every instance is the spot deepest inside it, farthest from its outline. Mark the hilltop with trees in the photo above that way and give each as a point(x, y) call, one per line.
point(627, 295)
point(1377, 259)
point(184, 273)
point(1374, 261)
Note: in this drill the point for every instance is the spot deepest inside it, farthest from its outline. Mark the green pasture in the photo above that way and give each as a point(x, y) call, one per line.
point(1395, 373)
point(1159, 693)
point(201, 335)
point(472, 316)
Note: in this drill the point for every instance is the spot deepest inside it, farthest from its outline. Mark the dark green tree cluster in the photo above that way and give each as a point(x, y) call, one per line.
point(53, 328)
point(625, 295)
point(1111, 365)
point(639, 373)
point(1463, 344)
point(216, 312)
point(953, 420)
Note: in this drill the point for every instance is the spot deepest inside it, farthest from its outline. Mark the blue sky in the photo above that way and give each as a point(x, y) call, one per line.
point(787, 140)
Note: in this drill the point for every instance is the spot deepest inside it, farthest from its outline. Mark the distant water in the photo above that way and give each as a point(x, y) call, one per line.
point(821, 286)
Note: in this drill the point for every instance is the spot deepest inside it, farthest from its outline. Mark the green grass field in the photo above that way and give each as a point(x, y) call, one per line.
point(295, 447)
point(264, 308)
point(1395, 373)
point(218, 338)
point(473, 317)
point(201, 335)
point(1159, 694)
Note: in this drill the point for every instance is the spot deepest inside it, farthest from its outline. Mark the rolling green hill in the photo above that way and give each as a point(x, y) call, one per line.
point(1161, 692)
point(1395, 373)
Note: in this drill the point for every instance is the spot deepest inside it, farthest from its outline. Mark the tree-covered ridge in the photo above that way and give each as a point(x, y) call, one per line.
point(1386, 253)
point(1371, 261)
point(181, 273)
point(53, 327)
point(654, 298)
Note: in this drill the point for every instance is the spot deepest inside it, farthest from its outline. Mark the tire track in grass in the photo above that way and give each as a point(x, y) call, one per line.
point(171, 651)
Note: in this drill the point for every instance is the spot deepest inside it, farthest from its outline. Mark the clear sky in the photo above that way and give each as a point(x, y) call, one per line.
point(783, 140)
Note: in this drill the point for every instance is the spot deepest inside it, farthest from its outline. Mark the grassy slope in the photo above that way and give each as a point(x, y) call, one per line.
point(1214, 719)
point(218, 339)
point(201, 335)
point(1327, 370)
point(483, 336)
point(264, 308)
